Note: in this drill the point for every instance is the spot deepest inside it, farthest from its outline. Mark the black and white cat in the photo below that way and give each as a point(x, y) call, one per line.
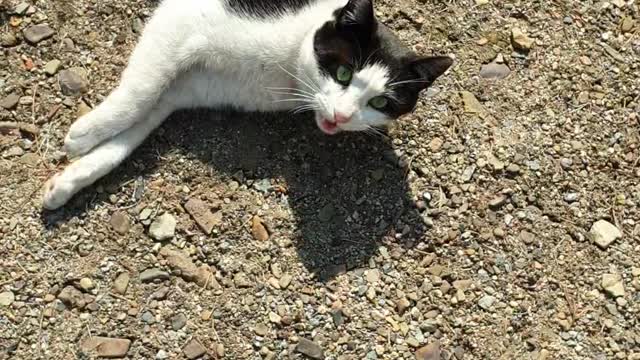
point(331, 57)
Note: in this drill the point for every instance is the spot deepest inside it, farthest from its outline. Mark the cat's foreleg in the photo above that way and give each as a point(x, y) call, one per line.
point(101, 160)
point(163, 51)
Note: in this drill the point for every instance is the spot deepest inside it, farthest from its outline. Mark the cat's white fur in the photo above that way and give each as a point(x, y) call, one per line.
point(194, 53)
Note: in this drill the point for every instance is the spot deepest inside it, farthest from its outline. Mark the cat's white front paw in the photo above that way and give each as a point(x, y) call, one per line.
point(57, 192)
point(79, 145)
point(82, 136)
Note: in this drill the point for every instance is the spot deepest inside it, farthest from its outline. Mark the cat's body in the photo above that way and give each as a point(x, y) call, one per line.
point(329, 56)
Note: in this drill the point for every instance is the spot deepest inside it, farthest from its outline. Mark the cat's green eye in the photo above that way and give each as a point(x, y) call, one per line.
point(378, 102)
point(344, 74)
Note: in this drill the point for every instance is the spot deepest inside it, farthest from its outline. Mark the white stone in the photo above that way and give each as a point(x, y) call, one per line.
point(7, 298)
point(603, 233)
point(163, 228)
point(613, 285)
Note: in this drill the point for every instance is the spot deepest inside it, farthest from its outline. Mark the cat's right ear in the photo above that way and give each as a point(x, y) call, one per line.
point(357, 16)
point(428, 69)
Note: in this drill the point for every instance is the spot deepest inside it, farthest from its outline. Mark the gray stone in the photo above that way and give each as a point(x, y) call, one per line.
point(242, 281)
point(73, 81)
point(8, 40)
point(429, 352)
point(194, 349)
point(148, 318)
point(627, 23)
point(150, 275)
point(338, 317)
point(121, 283)
point(534, 165)
point(413, 342)
point(495, 163)
point(160, 294)
point(497, 202)
point(527, 237)
point(261, 329)
point(72, 297)
point(494, 70)
point(467, 174)
point(68, 44)
point(37, 33)
point(285, 281)
point(137, 26)
point(486, 302)
point(373, 276)
point(458, 352)
point(106, 347)
point(120, 222)
point(566, 163)
point(10, 101)
point(310, 349)
point(21, 8)
point(13, 151)
point(163, 227)
point(145, 214)
point(615, 54)
point(26, 100)
point(179, 321)
point(513, 168)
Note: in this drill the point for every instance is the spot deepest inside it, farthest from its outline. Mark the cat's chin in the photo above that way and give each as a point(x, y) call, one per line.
point(328, 127)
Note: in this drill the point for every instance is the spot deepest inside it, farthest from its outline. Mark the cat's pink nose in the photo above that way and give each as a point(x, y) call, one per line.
point(341, 118)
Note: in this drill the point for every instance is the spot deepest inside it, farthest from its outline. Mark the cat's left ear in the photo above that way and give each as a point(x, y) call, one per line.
point(357, 15)
point(428, 69)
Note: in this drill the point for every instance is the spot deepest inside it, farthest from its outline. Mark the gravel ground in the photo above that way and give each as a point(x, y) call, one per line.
point(499, 221)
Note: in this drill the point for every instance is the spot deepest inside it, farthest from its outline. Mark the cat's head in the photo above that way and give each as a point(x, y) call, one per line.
point(359, 73)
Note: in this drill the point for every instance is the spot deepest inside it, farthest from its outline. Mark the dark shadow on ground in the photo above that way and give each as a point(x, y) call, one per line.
point(346, 192)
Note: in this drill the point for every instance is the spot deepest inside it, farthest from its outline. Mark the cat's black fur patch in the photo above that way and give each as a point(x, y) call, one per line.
point(265, 8)
point(355, 38)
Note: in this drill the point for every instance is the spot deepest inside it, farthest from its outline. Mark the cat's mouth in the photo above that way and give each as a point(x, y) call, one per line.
point(328, 127)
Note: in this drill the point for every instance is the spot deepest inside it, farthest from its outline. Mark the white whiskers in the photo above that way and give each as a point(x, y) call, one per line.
point(305, 83)
point(306, 96)
point(375, 131)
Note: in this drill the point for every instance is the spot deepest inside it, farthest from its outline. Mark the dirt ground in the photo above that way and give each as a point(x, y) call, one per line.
point(498, 221)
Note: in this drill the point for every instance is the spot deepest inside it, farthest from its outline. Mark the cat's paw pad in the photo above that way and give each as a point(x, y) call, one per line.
point(57, 192)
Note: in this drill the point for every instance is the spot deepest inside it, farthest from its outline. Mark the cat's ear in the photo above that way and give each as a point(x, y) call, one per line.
point(428, 69)
point(357, 15)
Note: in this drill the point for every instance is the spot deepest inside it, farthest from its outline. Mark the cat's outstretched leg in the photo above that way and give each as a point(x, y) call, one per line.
point(101, 160)
point(166, 47)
